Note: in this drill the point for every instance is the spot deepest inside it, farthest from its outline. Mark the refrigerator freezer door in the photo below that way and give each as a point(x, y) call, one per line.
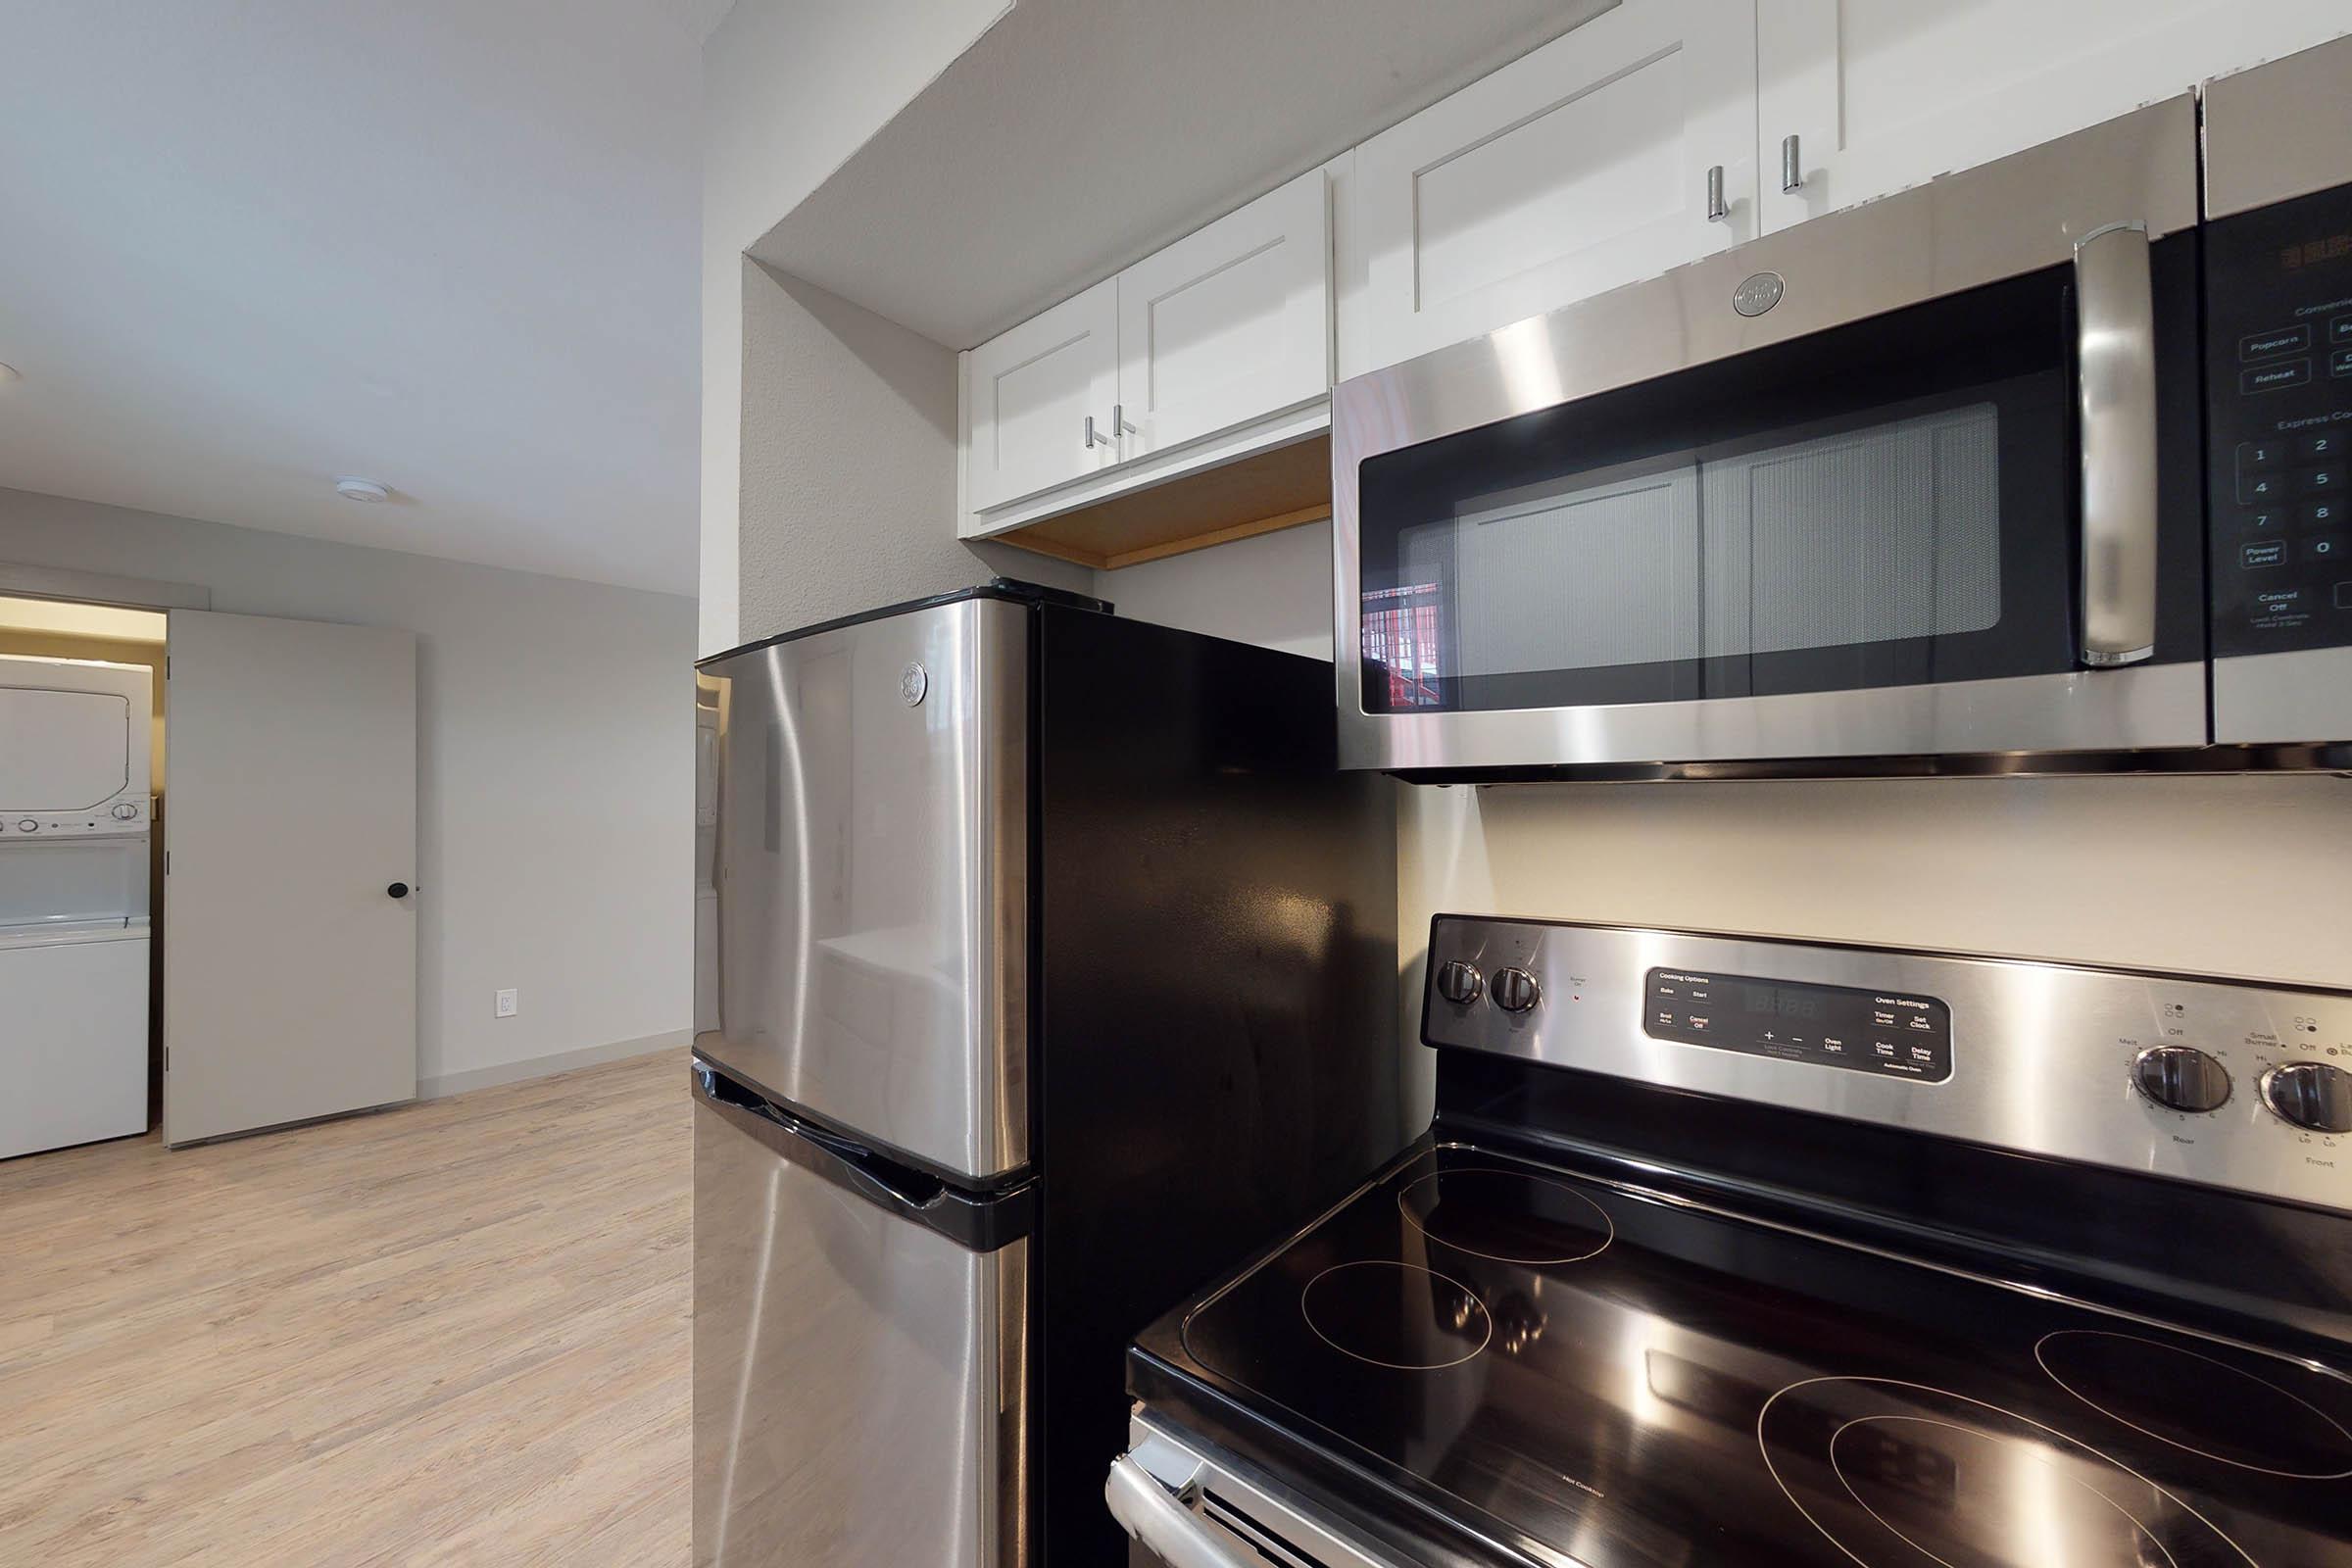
point(873, 852)
point(859, 1378)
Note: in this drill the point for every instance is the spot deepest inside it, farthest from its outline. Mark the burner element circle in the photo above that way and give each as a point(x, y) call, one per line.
point(2198, 1404)
point(1506, 1215)
point(1963, 1511)
point(1897, 1475)
point(1397, 1315)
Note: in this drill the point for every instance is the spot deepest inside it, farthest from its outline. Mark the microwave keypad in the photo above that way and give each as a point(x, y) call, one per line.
point(2279, 314)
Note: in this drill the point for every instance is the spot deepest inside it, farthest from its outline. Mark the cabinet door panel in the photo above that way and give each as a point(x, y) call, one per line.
point(1029, 394)
point(1229, 323)
point(1570, 170)
point(1883, 94)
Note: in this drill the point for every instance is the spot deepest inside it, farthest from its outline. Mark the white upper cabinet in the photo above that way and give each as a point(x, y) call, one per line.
point(1037, 400)
point(1883, 94)
point(1225, 334)
point(1230, 323)
point(1575, 169)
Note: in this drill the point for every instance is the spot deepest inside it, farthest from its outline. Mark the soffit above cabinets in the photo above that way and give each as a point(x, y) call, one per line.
point(1077, 136)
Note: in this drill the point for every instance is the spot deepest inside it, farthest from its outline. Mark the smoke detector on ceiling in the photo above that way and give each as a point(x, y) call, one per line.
point(351, 489)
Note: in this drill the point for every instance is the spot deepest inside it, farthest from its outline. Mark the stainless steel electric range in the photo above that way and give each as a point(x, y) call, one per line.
point(1726, 1251)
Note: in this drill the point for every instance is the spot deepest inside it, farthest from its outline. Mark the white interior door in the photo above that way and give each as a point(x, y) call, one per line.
point(289, 965)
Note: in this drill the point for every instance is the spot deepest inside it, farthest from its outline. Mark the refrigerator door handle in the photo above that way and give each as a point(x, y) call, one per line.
point(901, 1183)
point(981, 1220)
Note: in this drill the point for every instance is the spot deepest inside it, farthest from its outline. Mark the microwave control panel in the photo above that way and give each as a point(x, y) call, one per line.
point(2278, 368)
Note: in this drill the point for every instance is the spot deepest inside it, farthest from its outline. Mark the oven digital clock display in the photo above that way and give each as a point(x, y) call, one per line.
point(1884, 1032)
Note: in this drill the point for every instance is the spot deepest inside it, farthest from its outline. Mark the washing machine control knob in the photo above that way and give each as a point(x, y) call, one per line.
point(29, 826)
point(125, 812)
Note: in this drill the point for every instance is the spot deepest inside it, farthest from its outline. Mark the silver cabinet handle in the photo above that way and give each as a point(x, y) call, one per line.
point(1093, 437)
point(1119, 425)
point(1717, 212)
point(2116, 397)
point(1151, 1514)
point(1792, 164)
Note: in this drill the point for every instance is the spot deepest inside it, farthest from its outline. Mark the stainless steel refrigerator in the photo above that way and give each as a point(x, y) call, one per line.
point(1055, 973)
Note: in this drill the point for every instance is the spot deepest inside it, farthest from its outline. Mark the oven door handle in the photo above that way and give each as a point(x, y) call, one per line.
point(2114, 314)
point(1152, 1515)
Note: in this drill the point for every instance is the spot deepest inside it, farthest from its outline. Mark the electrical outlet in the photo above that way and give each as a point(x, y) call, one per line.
point(507, 1002)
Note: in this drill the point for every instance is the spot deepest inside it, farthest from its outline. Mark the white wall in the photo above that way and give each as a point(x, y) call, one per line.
point(791, 89)
point(848, 465)
point(1274, 589)
point(555, 769)
point(2248, 876)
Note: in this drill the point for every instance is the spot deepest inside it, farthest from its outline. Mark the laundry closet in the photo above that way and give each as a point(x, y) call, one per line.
point(276, 982)
point(81, 776)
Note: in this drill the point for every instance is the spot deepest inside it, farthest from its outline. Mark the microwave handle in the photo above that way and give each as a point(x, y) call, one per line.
point(2116, 396)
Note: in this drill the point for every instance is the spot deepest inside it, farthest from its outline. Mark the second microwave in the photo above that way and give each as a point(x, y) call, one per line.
point(1924, 477)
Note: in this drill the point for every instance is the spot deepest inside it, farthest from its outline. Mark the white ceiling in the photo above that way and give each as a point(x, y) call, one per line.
point(451, 245)
point(1078, 135)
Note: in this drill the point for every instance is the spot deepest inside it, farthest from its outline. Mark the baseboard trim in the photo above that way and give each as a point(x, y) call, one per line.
point(446, 1083)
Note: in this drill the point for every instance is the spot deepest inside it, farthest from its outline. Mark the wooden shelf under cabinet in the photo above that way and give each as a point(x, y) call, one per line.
point(1261, 494)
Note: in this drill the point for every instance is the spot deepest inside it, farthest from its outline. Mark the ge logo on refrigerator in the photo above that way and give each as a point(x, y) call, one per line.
point(913, 682)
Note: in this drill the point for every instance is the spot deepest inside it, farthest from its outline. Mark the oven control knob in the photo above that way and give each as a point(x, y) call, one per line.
point(2310, 1095)
point(1460, 983)
point(1516, 991)
point(2181, 1078)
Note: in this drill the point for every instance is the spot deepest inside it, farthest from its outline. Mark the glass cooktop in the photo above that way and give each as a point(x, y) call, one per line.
point(1590, 1374)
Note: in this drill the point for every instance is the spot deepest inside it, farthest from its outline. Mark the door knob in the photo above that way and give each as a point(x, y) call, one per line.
point(398, 890)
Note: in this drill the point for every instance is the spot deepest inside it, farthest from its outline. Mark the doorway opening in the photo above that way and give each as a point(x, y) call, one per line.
point(82, 883)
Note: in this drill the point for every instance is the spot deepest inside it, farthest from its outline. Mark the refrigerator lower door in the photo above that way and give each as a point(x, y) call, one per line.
point(860, 1373)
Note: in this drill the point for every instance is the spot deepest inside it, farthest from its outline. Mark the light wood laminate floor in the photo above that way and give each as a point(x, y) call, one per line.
point(455, 1333)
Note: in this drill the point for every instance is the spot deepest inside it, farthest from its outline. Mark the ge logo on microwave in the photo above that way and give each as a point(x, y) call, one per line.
point(1759, 293)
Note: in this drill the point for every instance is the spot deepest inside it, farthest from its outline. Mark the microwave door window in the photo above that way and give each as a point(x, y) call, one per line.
point(1863, 550)
point(1596, 578)
point(1889, 503)
point(1889, 534)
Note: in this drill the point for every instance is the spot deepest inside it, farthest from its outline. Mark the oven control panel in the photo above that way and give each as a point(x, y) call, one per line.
point(2226, 1083)
point(2279, 357)
point(1831, 1026)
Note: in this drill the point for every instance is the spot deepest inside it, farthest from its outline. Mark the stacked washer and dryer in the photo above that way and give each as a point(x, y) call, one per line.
point(75, 817)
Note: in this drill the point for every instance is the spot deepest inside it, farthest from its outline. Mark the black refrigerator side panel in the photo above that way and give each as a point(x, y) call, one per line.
point(1217, 1050)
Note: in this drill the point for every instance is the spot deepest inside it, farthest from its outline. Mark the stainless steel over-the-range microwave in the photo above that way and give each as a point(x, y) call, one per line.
point(2039, 459)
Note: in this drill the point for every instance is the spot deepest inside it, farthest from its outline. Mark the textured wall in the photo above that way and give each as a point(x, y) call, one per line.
point(848, 465)
point(789, 89)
